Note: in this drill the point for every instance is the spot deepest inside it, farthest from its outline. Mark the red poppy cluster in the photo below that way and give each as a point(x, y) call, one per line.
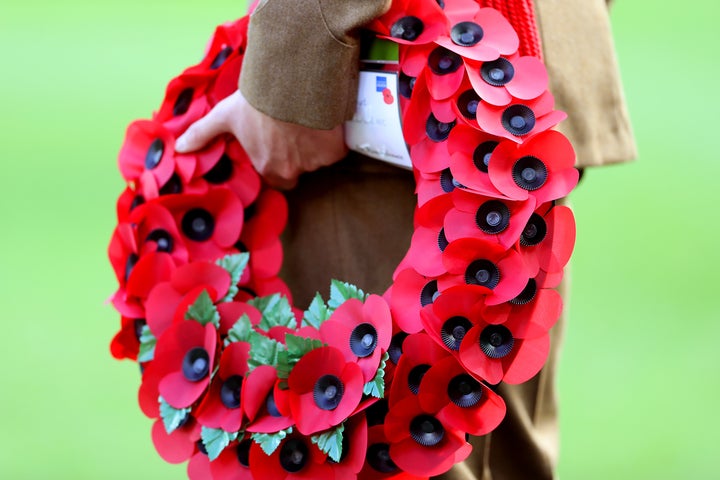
point(242, 384)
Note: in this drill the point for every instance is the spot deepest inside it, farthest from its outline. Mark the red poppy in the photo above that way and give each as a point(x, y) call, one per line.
point(226, 44)
point(198, 468)
point(409, 293)
point(179, 445)
point(442, 69)
point(420, 443)
point(531, 314)
point(264, 404)
point(548, 239)
point(324, 389)
point(156, 231)
point(128, 200)
point(210, 224)
point(235, 171)
point(493, 219)
point(484, 35)
point(126, 343)
point(168, 301)
point(143, 274)
point(233, 463)
point(448, 320)
point(230, 312)
point(419, 352)
point(220, 408)
point(461, 402)
point(500, 353)
point(378, 464)
point(425, 253)
point(520, 119)
point(479, 262)
point(186, 355)
point(470, 151)
point(542, 167)
point(296, 458)
point(500, 80)
point(411, 22)
point(185, 102)
point(433, 185)
point(361, 331)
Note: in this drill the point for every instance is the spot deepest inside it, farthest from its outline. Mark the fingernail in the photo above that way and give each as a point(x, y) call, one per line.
point(181, 143)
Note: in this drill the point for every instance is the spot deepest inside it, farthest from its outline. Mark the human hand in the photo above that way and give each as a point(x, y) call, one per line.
point(280, 151)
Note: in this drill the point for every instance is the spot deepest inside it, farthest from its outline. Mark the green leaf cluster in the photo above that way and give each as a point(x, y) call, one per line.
point(203, 310)
point(316, 313)
point(172, 417)
point(241, 331)
point(276, 311)
point(376, 386)
point(235, 265)
point(147, 345)
point(342, 291)
point(295, 348)
point(330, 442)
point(270, 441)
point(263, 350)
point(215, 440)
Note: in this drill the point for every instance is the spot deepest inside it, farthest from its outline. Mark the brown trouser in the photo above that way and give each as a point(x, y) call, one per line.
point(353, 222)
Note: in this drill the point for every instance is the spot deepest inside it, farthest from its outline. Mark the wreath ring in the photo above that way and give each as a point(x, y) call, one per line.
point(245, 385)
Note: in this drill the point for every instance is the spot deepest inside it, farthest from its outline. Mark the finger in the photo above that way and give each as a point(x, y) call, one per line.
point(204, 130)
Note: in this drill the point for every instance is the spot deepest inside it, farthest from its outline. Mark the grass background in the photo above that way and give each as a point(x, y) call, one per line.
point(640, 382)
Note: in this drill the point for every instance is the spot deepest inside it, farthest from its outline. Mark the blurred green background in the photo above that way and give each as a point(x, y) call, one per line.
point(640, 376)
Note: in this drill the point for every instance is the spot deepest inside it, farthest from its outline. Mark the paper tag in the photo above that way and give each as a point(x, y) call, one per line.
point(376, 129)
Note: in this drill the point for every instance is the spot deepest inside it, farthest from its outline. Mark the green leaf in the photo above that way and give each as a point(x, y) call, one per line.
point(295, 348)
point(203, 310)
point(215, 440)
point(276, 311)
point(240, 331)
point(172, 417)
point(316, 313)
point(330, 442)
point(342, 291)
point(270, 441)
point(235, 265)
point(263, 350)
point(376, 386)
point(147, 345)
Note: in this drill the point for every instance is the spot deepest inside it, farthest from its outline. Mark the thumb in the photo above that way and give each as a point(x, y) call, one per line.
point(204, 130)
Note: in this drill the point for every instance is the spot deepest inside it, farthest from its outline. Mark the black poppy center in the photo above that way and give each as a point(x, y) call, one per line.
point(154, 154)
point(221, 57)
point(492, 217)
point(376, 412)
point(230, 391)
point(464, 391)
point(496, 341)
point(498, 72)
point(138, 325)
point(198, 225)
point(130, 264)
point(243, 452)
point(395, 348)
point(196, 364)
point(182, 102)
point(466, 34)
point(518, 119)
point(271, 406)
point(407, 28)
point(363, 340)
point(328, 392)
point(527, 294)
point(482, 154)
point(442, 240)
point(415, 377)
point(406, 84)
point(162, 238)
point(467, 103)
point(453, 331)
point(436, 130)
point(293, 455)
point(483, 273)
point(534, 231)
point(426, 430)
point(448, 182)
point(443, 62)
point(429, 293)
point(378, 457)
point(173, 185)
point(221, 171)
point(529, 173)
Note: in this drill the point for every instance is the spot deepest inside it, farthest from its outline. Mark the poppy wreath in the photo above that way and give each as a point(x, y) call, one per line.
point(239, 382)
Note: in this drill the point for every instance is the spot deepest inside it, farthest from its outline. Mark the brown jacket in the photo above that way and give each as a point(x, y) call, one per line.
point(302, 57)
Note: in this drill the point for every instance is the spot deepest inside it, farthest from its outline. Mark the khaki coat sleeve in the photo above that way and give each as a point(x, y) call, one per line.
point(301, 62)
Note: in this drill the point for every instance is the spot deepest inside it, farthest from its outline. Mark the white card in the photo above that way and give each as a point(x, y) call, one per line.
point(376, 129)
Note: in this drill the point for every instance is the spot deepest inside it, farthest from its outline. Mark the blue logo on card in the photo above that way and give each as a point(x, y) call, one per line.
point(380, 83)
